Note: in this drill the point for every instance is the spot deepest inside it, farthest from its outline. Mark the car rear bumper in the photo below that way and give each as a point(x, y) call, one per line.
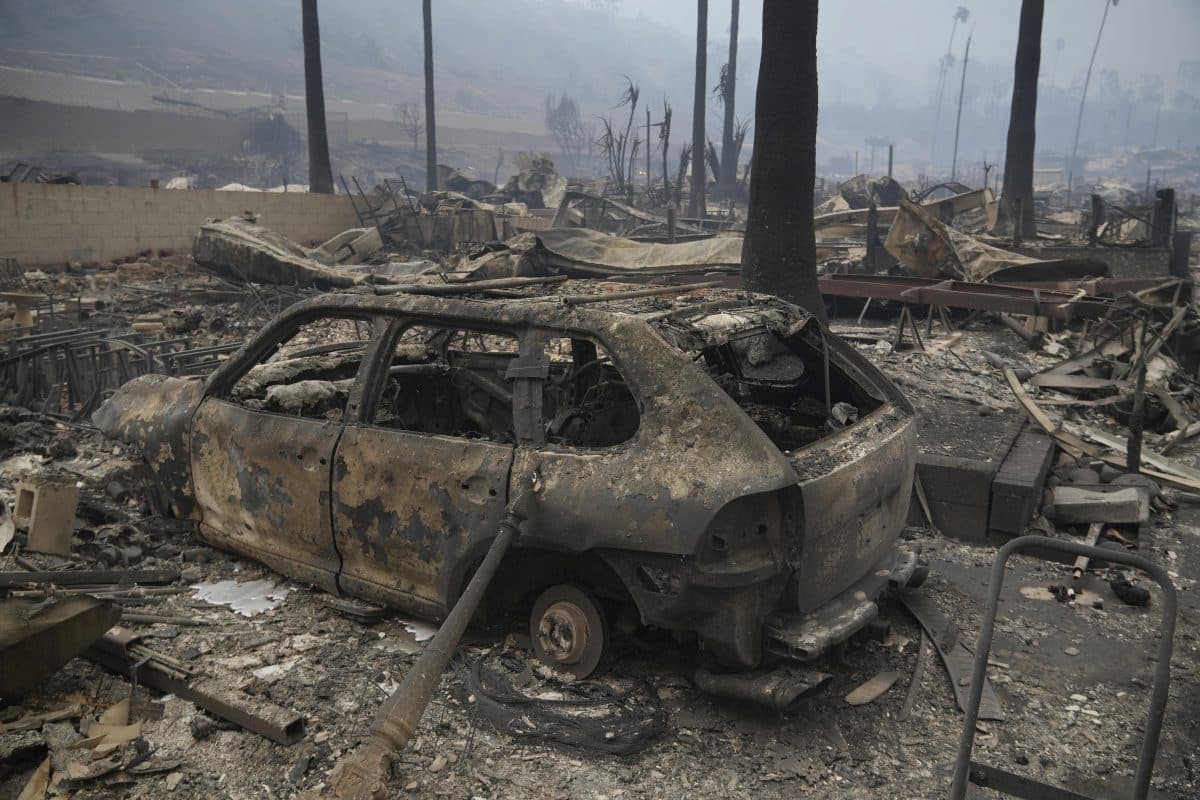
point(805, 636)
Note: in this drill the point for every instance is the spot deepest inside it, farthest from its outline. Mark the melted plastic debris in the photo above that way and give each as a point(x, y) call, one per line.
point(247, 599)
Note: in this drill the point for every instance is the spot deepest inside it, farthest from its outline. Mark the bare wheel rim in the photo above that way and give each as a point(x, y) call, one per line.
point(567, 630)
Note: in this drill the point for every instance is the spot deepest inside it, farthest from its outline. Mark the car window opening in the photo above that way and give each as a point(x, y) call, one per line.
point(781, 384)
point(450, 382)
point(310, 373)
point(585, 400)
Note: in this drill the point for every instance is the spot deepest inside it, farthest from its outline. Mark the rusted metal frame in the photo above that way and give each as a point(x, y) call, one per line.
point(528, 372)
point(906, 318)
point(254, 714)
point(88, 577)
point(373, 373)
point(964, 768)
point(582, 299)
point(353, 204)
point(1006, 298)
point(1015, 785)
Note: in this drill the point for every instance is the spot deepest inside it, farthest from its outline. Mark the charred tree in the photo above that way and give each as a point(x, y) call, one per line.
point(431, 181)
point(696, 197)
point(779, 254)
point(320, 174)
point(727, 180)
point(1017, 191)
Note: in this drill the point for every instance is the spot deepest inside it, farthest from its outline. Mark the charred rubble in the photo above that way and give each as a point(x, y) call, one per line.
point(244, 487)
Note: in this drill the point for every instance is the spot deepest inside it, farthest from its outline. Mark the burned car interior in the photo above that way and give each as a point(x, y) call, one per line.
point(459, 383)
point(309, 373)
point(781, 382)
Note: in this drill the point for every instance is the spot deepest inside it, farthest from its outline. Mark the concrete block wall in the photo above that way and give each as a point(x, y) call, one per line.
point(45, 224)
point(1123, 262)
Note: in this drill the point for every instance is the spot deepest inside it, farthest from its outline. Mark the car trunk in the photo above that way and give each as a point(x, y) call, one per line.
point(847, 432)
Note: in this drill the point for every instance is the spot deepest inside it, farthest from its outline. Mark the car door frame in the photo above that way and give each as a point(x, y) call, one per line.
point(273, 496)
point(386, 532)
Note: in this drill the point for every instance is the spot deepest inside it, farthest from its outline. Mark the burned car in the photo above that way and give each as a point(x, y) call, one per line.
point(709, 462)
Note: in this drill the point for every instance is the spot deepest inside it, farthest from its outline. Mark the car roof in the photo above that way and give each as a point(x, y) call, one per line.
point(688, 315)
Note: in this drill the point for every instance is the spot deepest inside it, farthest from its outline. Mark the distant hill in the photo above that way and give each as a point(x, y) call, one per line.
point(493, 58)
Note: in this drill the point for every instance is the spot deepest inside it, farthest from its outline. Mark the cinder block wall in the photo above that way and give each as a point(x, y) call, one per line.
point(44, 224)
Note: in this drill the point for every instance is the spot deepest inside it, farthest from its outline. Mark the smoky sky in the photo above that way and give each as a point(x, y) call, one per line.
point(870, 46)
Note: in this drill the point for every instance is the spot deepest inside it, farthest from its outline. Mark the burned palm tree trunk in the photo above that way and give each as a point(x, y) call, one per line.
point(320, 174)
point(431, 181)
point(1022, 130)
point(728, 176)
point(779, 254)
point(696, 198)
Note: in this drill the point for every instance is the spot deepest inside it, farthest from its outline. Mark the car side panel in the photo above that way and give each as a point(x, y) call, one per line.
point(694, 452)
point(262, 486)
point(413, 512)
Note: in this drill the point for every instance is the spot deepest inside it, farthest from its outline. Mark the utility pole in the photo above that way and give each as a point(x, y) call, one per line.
point(891, 149)
point(431, 177)
point(696, 204)
point(958, 122)
point(1083, 101)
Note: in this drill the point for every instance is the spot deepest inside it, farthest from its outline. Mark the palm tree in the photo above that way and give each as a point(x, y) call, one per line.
point(1022, 132)
point(779, 254)
point(728, 89)
point(431, 181)
point(696, 198)
point(320, 174)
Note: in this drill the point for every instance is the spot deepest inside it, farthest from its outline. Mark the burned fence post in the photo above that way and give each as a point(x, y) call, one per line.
point(1137, 418)
point(1162, 220)
point(872, 236)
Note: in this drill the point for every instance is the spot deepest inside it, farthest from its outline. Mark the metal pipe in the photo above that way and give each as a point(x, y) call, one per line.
point(364, 773)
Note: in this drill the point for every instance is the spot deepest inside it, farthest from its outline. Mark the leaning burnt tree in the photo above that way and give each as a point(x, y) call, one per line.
point(779, 254)
point(431, 181)
point(727, 90)
point(696, 197)
point(320, 174)
point(1016, 198)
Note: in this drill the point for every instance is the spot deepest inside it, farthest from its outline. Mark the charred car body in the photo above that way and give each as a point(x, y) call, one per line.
point(713, 460)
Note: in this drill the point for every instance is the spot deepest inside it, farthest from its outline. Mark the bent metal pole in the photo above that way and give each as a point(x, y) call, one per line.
point(364, 773)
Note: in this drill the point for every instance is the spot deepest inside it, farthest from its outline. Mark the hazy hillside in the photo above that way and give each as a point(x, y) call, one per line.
point(492, 58)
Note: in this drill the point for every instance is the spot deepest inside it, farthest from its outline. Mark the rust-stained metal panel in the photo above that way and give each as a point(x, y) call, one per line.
point(412, 511)
point(153, 413)
point(262, 486)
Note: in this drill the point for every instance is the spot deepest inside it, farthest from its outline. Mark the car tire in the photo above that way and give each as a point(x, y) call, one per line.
point(568, 630)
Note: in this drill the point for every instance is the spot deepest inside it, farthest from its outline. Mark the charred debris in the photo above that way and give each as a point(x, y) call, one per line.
point(539, 423)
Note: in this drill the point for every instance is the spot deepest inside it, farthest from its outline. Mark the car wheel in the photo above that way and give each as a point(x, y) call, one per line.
point(568, 630)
